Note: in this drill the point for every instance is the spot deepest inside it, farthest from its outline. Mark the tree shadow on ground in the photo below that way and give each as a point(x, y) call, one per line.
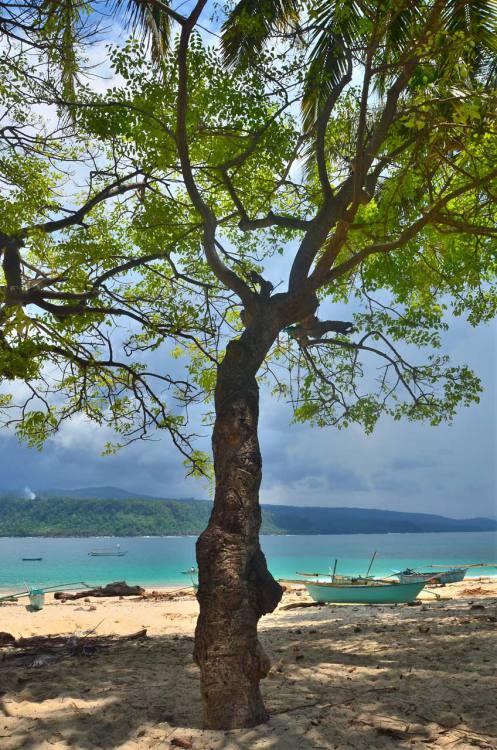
point(376, 679)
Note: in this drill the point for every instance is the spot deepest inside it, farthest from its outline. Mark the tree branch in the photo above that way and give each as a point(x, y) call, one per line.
point(429, 217)
point(111, 191)
point(223, 273)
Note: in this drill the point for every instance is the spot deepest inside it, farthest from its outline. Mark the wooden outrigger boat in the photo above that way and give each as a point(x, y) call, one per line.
point(450, 575)
point(359, 589)
point(118, 552)
point(334, 577)
point(372, 592)
point(454, 575)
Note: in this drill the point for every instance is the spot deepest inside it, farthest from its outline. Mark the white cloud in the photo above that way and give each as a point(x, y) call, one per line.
point(81, 434)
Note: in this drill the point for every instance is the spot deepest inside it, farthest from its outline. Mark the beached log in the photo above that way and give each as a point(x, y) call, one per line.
point(169, 595)
point(118, 588)
point(299, 605)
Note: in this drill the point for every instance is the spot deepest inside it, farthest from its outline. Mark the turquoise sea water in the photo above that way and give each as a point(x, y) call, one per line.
point(159, 561)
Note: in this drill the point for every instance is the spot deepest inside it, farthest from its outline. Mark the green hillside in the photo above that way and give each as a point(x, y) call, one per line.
point(73, 516)
point(102, 517)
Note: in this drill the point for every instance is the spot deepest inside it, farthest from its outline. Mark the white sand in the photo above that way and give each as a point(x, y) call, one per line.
point(342, 677)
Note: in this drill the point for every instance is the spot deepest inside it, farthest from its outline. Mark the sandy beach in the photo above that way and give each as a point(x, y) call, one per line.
point(342, 676)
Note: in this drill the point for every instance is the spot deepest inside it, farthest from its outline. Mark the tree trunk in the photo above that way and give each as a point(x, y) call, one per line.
point(235, 586)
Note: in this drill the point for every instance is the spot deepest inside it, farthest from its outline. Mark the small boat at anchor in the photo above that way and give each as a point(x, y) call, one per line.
point(372, 592)
point(31, 559)
point(118, 552)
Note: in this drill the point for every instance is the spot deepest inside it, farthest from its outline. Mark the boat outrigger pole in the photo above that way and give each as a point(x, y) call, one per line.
point(334, 571)
point(474, 565)
point(45, 589)
point(371, 563)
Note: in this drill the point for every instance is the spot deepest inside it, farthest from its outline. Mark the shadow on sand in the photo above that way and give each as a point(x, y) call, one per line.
point(387, 679)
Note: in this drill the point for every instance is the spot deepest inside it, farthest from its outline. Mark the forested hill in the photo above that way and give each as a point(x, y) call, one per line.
point(72, 516)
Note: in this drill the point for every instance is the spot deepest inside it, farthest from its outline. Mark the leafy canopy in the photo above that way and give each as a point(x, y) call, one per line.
point(148, 222)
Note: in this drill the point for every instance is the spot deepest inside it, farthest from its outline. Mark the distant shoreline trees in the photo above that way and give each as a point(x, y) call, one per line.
point(51, 516)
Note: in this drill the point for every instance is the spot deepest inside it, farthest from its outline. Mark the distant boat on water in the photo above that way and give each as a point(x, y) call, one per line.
point(118, 552)
point(32, 559)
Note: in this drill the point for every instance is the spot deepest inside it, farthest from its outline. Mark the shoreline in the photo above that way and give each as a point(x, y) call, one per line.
point(195, 535)
point(291, 585)
point(166, 587)
point(149, 587)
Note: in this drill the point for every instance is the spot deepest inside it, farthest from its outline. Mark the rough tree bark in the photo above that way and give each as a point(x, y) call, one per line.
point(235, 586)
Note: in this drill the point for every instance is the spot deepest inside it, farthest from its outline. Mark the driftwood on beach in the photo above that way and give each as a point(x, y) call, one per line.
point(41, 650)
point(118, 588)
point(302, 605)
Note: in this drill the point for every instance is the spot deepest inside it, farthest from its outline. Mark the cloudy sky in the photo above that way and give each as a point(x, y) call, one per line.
point(447, 469)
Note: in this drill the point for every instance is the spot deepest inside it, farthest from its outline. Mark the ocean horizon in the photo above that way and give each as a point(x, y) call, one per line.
point(160, 561)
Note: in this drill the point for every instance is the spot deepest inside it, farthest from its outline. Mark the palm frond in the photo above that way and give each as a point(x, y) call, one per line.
point(250, 25)
point(61, 22)
point(475, 21)
point(488, 70)
point(479, 17)
point(401, 24)
point(148, 18)
point(337, 29)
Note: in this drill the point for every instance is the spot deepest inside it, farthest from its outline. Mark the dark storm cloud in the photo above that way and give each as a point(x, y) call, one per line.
point(149, 468)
